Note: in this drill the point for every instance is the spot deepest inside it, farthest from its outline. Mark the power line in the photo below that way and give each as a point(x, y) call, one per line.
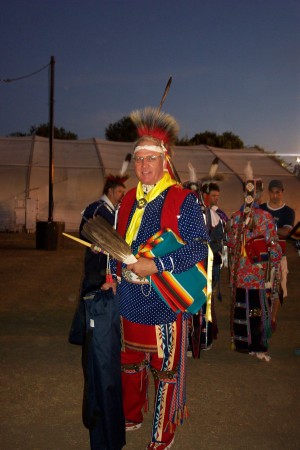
point(10, 80)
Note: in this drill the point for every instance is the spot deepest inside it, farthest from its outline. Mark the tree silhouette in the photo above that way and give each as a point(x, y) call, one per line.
point(211, 138)
point(44, 131)
point(230, 140)
point(206, 138)
point(122, 131)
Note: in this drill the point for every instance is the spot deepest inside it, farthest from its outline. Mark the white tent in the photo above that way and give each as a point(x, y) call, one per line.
point(80, 167)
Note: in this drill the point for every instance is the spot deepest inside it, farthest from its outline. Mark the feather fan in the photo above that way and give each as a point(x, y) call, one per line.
point(100, 232)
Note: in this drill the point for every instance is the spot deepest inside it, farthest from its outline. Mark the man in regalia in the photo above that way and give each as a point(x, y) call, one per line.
point(255, 272)
point(155, 332)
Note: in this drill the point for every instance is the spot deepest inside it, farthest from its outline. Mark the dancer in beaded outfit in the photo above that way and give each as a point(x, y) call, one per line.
point(154, 335)
point(255, 254)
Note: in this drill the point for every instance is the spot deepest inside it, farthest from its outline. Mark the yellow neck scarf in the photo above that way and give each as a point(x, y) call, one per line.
point(143, 199)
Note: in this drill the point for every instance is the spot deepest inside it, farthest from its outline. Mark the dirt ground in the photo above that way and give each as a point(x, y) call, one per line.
point(236, 402)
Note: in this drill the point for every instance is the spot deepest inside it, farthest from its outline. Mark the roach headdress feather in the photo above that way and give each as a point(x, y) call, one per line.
point(125, 164)
point(213, 168)
point(193, 183)
point(212, 172)
point(122, 177)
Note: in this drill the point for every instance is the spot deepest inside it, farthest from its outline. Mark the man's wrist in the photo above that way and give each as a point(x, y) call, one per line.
point(164, 264)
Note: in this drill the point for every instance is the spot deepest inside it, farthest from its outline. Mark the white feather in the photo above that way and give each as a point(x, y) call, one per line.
point(125, 164)
point(192, 173)
point(249, 171)
point(213, 168)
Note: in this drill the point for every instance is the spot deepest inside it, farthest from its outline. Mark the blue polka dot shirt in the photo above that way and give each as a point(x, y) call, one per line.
point(140, 303)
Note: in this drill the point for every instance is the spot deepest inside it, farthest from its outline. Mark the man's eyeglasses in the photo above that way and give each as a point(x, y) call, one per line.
point(149, 158)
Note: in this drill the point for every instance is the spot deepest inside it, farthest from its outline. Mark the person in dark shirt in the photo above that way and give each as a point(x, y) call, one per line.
point(284, 218)
point(95, 263)
point(211, 195)
point(99, 333)
point(215, 222)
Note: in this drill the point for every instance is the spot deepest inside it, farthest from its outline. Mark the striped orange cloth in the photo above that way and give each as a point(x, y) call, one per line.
point(185, 291)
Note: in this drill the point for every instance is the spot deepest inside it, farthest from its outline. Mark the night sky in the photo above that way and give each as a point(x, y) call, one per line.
point(235, 65)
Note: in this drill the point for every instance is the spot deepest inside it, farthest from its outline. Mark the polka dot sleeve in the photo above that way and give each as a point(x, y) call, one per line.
point(194, 232)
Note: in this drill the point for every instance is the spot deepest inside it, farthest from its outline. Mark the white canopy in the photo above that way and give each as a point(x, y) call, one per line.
point(80, 167)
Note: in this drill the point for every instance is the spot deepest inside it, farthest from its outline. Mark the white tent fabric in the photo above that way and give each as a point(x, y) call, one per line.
point(80, 167)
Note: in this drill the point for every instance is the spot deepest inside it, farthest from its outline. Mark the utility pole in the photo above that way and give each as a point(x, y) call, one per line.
point(48, 234)
point(51, 137)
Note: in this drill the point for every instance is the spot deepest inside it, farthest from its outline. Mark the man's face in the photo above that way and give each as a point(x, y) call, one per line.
point(276, 196)
point(214, 198)
point(149, 172)
point(117, 194)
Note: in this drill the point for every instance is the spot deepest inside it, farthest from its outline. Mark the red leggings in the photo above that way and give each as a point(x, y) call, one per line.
point(135, 370)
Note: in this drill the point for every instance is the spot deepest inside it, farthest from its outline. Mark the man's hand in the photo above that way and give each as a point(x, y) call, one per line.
point(143, 267)
point(106, 286)
point(283, 231)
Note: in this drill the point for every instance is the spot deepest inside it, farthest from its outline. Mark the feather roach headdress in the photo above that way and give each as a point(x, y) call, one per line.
point(151, 122)
point(157, 124)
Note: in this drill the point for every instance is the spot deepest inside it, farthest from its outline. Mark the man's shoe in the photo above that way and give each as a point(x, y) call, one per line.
point(132, 426)
point(160, 445)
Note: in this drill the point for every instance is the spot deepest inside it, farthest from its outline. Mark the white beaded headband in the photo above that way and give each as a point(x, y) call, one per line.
point(151, 148)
